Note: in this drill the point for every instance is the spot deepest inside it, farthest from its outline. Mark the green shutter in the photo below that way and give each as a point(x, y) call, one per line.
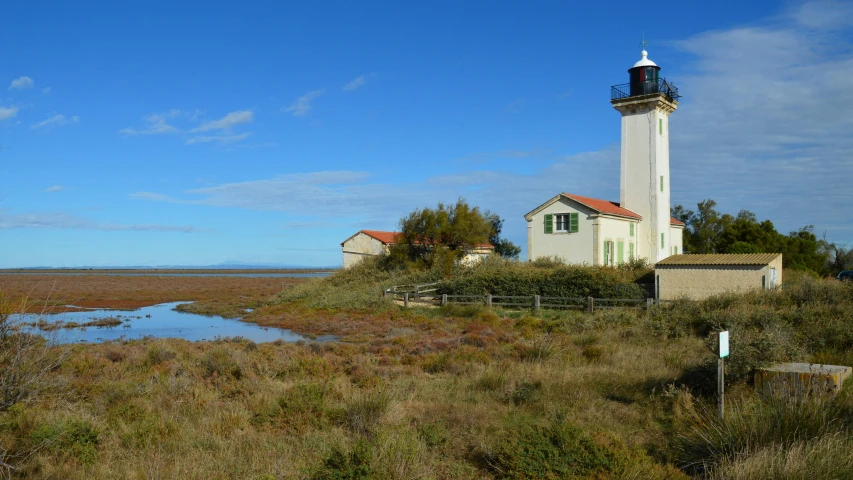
point(661, 241)
point(660, 126)
point(661, 183)
point(606, 253)
point(631, 229)
point(549, 223)
point(675, 250)
point(631, 251)
point(620, 250)
point(573, 223)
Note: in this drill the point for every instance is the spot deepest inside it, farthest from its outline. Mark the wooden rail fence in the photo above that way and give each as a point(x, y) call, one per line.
point(425, 295)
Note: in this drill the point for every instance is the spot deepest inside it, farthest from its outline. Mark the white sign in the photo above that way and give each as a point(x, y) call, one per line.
point(724, 344)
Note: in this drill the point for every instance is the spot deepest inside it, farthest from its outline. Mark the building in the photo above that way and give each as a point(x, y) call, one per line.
point(371, 243)
point(701, 276)
point(581, 229)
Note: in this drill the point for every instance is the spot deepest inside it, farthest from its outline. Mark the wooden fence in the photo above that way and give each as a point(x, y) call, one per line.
point(425, 295)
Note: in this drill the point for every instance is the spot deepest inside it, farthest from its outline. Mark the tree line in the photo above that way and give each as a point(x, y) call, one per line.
point(709, 231)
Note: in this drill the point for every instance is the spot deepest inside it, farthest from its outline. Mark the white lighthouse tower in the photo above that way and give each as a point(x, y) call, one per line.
point(646, 104)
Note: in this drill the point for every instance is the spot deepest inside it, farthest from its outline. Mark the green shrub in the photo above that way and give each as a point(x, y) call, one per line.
point(346, 465)
point(363, 413)
point(74, 438)
point(558, 450)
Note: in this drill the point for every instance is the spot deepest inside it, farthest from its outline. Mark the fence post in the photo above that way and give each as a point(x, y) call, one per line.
point(536, 302)
point(489, 300)
point(406, 299)
point(443, 299)
point(384, 293)
point(589, 304)
point(649, 302)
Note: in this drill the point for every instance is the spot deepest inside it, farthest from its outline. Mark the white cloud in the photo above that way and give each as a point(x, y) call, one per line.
point(774, 136)
point(61, 220)
point(358, 82)
point(157, 124)
point(223, 139)
point(8, 112)
point(45, 90)
point(302, 105)
point(226, 122)
point(54, 121)
point(55, 188)
point(21, 83)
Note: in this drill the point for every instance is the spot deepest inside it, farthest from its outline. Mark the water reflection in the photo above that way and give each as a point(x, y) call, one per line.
point(161, 321)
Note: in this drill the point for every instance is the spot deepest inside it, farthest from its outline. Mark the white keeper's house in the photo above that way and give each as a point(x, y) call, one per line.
point(581, 229)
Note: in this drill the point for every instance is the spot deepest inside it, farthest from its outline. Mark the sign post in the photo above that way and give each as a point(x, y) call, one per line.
point(721, 371)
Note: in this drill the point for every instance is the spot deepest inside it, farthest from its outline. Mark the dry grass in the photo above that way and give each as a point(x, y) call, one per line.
point(423, 393)
point(50, 293)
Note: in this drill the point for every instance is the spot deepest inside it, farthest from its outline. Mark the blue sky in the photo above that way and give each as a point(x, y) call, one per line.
point(199, 133)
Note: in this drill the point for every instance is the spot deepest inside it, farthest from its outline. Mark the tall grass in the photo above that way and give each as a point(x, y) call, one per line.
point(767, 433)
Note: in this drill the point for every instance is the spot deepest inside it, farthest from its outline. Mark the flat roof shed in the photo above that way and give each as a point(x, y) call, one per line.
point(699, 276)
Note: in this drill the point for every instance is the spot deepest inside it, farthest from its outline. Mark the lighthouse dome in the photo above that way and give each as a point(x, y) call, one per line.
point(645, 62)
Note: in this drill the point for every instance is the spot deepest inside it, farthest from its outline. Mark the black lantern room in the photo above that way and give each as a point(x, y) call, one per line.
point(644, 79)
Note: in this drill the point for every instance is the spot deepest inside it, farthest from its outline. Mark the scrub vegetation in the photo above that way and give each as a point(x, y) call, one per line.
point(452, 392)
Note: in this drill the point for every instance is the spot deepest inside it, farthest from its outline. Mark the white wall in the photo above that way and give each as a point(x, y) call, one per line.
point(359, 247)
point(645, 159)
point(571, 247)
point(616, 231)
point(676, 239)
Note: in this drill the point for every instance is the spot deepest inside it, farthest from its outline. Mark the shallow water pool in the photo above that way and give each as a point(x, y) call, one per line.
point(161, 321)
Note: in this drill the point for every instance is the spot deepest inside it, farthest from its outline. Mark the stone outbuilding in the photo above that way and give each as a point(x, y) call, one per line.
point(371, 243)
point(701, 276)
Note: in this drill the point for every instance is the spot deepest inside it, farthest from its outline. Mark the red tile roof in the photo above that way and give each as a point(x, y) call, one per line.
point(384, 237)
point(603, 206)
point(675, 221)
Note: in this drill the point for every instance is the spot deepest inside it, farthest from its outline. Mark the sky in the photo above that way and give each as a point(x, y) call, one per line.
point(202, 133)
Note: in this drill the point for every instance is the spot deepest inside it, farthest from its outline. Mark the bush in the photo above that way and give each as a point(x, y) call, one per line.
point(346, 465)
point(77, 439)
point(750, 427)
point(547, 278)
point(559, 450)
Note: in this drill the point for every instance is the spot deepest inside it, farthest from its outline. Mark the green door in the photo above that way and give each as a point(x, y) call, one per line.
point(607, 252)
point(620, 251)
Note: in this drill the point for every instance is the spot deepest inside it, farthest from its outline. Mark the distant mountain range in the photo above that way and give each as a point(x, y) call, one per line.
point(220, 266)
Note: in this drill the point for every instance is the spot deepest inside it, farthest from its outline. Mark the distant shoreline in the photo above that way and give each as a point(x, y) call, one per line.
point(155, 271)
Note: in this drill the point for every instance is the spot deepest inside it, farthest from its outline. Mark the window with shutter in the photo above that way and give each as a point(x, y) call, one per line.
point(660, 126)
point(631, 251)
point(661, 241)
point(620, 251)
point(631, 230)
point(549, 223)
point(661, 183)
point(573, 224)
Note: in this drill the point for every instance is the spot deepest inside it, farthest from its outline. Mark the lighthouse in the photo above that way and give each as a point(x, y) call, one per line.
point(646, 103)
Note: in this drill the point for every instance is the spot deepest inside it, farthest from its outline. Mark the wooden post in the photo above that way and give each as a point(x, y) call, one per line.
point(443, 299)
point(649, 302)
point(721, 386)
point(589, 304)
point(536, 302)
point(406, 299)
point(489, 300)
point(384, 293)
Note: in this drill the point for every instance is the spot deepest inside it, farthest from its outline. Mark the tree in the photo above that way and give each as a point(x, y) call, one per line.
point(445, 234)
point(840, 256)
point(503, 247)
point(709, 231)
